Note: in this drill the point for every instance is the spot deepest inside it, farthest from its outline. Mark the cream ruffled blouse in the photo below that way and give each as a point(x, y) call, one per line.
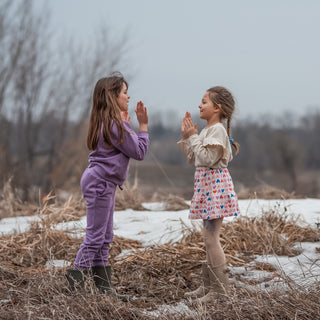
point(211, 148)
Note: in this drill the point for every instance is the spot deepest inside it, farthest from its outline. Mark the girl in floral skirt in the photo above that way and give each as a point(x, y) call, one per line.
point(214, 196)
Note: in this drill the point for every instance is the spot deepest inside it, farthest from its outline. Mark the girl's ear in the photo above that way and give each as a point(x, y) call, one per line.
point(217, 107)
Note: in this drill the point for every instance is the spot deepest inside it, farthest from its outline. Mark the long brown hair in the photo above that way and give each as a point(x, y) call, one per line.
point(106, 110)
point(223, 99)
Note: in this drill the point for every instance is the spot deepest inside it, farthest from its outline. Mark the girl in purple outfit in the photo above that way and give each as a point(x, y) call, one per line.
point(113, 143)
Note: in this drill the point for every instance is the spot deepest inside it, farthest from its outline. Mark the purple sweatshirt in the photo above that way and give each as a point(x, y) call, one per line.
point(112, 163)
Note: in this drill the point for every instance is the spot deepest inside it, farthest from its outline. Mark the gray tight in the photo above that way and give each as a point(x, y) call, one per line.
point(211, 233)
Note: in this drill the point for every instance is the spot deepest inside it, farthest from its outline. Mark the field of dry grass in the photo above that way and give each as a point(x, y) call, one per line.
point(160, 179)
point(155, 276)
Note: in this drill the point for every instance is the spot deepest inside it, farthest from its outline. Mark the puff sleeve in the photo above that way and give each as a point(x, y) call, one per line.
point(211, 148)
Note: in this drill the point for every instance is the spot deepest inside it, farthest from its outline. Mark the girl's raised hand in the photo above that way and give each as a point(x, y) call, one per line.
point(188, 128)
point(188, 115)
point(124, 116)
point(142, 116)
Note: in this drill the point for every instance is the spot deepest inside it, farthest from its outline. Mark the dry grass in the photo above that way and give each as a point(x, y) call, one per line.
point(60, 210)
point(132, 197)
point(155, 275)
point(11, 204)
point(273, 232)
point(264, 191)
point(129, 197)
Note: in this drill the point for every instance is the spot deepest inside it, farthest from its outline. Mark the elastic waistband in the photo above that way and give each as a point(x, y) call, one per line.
point(207, 168)
point(96, 174)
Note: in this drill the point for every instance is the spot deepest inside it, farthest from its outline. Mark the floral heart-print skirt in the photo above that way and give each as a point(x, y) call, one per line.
point(214, 195)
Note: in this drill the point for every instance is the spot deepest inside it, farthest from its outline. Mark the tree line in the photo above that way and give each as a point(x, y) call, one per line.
point(45, 97)
point(285, 154)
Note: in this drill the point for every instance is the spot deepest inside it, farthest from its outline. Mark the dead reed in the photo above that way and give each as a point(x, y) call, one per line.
point(264, 191)
point(129, 197)
point(44, 295)
point(157, 276)
point(11, 204)
point(175, 203)
point(59, 210)
point(273, 232)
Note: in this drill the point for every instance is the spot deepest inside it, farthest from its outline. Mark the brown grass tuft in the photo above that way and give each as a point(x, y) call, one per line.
point(273, 232)
point(175, 203)
point(129, 197)
point(11, 204)
point(155, 275)
point(264, 191)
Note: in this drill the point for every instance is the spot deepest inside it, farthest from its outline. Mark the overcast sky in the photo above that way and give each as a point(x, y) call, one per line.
point(266, 52)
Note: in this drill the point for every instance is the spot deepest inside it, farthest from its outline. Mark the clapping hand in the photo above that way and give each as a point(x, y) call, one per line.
point(188, 128)
point(142, 116)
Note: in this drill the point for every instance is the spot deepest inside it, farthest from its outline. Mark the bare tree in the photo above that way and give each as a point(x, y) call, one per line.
point(45, 93)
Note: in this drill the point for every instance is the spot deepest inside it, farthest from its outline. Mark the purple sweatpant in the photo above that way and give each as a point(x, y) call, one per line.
point(100, 197)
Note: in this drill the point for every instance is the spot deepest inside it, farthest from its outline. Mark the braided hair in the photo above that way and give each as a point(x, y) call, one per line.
point(223, 99)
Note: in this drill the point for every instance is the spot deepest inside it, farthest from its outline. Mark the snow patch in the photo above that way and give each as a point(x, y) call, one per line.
point(180, 309)
point(52, 264)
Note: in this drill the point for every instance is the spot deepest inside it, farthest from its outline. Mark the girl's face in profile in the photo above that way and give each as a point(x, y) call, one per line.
point(207, 109)
point(123, 98)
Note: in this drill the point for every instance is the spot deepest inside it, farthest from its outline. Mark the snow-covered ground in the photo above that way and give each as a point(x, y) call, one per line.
point(157, 226)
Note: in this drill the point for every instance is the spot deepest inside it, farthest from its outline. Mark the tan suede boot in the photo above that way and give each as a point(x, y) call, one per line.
point(204, 287)
point(219, 284)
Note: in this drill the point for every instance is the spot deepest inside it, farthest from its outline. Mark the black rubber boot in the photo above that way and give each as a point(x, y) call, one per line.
point(102, 280)
point(75, 279)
